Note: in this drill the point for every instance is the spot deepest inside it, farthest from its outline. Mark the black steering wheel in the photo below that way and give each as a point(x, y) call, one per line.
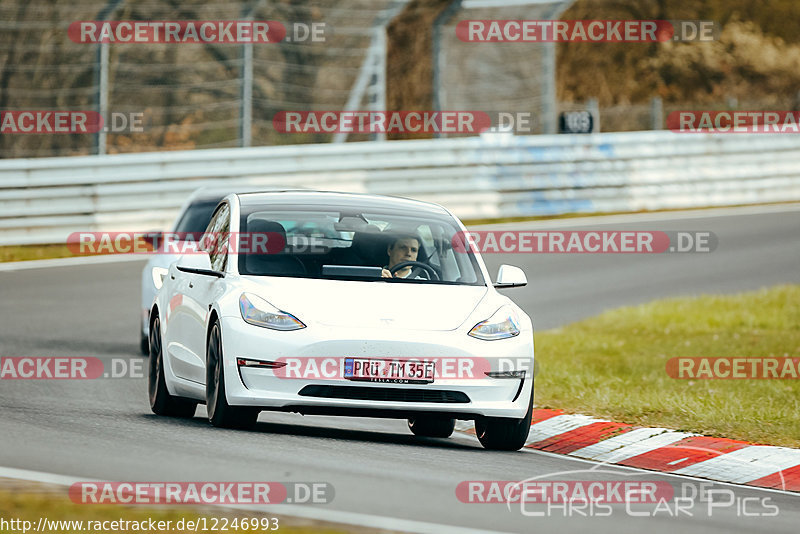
point(424, 266)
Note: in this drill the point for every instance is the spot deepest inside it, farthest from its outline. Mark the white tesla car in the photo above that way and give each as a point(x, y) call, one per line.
point(360, 305)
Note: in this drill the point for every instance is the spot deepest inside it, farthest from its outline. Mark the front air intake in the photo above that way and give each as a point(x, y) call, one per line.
point(368, 393)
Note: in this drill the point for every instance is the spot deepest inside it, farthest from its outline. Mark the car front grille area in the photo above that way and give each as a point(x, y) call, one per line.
point(384, 394)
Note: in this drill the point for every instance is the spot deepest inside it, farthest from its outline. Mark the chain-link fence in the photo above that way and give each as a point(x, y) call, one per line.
point(187, 95)
point(212, 95)
point(653, 115)
point(496, 77)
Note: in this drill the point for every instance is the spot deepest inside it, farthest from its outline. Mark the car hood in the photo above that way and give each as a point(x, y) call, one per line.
point(369, 304)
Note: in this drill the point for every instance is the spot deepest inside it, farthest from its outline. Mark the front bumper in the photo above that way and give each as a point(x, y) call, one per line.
point(270, 389)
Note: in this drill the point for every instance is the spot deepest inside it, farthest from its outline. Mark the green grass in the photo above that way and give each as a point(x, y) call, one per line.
point(613, 365)
point(527, 218)
point(34, 252)
point(30, 502)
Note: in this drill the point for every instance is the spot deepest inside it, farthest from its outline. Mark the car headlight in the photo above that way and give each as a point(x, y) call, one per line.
point(501, 325)
point(158, 274)
point(259, 312)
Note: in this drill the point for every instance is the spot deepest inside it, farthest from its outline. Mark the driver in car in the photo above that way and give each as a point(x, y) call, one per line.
point(402, 249)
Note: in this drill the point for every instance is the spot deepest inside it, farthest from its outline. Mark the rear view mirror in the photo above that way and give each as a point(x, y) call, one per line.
point(350, 223)
point(510, 276)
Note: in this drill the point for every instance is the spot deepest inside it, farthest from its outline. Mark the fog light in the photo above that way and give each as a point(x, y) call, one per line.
point(505, 374)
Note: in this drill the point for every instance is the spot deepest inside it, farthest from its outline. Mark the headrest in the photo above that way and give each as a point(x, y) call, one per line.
point(369, 243)
point(276, 232)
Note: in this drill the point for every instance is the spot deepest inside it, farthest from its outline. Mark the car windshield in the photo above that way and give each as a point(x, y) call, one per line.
point(333, 243)
point(195, 219)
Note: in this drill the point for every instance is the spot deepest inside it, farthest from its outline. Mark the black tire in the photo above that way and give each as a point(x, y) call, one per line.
point(504, 434)
point(432, 427)
point(220, 413)
point(144, 344)
point(161, 402)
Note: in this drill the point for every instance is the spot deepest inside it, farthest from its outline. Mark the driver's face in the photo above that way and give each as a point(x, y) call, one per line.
point(403, 250)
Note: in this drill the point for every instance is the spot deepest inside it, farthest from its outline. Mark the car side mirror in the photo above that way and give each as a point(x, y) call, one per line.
point(197, 263)
point(510, 276)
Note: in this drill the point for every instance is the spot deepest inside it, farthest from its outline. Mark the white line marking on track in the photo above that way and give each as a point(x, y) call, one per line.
point(70, 262)
point(39, 476)
point(319, 513)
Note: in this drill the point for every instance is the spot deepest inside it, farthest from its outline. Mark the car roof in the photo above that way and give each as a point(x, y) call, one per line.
point(217, 193)
point(336, 198)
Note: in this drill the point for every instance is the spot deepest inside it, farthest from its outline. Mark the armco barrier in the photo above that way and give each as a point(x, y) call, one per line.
point(494, 175)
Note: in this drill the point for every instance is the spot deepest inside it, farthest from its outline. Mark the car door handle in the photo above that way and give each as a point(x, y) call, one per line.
point(191, 284)
point(172, 276)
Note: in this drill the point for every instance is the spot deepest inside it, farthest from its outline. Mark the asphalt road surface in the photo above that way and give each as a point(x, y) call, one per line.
point(382, 475)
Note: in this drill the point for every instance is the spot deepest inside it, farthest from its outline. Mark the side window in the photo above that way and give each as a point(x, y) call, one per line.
point(217, 236)
point(424, 231)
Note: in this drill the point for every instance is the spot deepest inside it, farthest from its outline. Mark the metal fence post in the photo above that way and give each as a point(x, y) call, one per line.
point(246, 104)
point(371, 79)
point(247, 96)
point(549, 105)
point(377, 89)
point(103, 98)
point(102, 78)
point(438, 62)
point(656, 113)
point(549, 102)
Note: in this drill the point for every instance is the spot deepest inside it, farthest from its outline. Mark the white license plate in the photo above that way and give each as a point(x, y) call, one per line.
point(392, 371)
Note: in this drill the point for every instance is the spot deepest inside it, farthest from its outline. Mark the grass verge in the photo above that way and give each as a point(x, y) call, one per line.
point(34, 252)
point(614, 365)
point(26, 501)
point(578, 215)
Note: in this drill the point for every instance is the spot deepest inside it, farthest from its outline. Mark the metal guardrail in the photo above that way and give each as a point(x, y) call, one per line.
point(495, 175)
